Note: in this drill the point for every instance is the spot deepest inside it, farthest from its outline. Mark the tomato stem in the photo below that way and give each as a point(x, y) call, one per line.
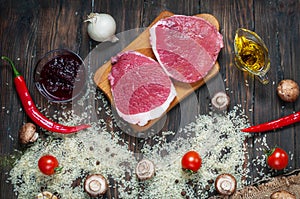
point(189, 171)
point(269, 152)
point(58, 169)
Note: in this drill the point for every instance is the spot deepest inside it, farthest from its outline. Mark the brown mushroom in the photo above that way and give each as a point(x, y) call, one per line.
point(288, 90)
point(145, 169)
point(46, 195)
point(225, 184)
point(95, 185)
point(283, 194)
point(28, 133)
point(220, 101)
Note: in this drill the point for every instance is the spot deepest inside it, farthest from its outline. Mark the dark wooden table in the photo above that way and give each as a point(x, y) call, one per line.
point(30, 28)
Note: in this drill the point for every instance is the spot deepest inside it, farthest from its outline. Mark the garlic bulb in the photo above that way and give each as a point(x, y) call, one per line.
point(101, 27)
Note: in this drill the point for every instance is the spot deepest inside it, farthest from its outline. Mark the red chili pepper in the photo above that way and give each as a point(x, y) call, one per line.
point(281, 122)
point(32, 111)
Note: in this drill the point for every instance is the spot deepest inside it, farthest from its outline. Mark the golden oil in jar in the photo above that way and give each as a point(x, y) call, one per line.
point(251, 54)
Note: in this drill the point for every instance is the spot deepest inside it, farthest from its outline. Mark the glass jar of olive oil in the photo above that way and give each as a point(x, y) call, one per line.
point(251, 54)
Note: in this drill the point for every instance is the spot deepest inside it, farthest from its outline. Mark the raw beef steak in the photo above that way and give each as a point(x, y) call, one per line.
point(141, 90)
point(187, 47)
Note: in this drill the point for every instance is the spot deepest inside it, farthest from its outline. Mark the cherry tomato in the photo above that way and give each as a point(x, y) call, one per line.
point(277, 159)
point(191, 161)
point(48, 164)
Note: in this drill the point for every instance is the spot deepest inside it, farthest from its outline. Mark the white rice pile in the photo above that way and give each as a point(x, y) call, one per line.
point(216, 137)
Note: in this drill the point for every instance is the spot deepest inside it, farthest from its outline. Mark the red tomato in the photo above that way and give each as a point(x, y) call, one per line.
point(48, 164)
point(277, 159)
point(191, 161)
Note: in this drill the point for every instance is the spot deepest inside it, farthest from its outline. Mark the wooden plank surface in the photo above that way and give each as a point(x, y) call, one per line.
point(30, 28)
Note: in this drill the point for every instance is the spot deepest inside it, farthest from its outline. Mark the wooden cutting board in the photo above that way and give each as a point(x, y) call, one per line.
point(142, 45)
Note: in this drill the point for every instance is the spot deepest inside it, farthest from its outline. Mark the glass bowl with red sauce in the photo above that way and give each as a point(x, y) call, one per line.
point(60, 75)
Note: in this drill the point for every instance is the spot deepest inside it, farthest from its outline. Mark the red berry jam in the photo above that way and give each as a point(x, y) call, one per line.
point(60, 78)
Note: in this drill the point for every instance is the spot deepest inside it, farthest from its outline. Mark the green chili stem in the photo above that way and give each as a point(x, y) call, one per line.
point(16, 73)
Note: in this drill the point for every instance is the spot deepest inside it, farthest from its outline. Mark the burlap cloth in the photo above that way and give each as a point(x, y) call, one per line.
point(289, 182)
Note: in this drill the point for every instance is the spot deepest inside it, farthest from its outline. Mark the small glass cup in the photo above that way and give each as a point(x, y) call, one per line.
point(251, 54)
point(60, 75)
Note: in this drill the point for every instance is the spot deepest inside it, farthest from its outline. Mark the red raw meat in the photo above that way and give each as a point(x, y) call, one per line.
point(187, 47)
point(141, 90)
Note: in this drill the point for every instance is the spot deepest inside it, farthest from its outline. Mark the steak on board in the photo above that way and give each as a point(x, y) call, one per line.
point(141, 90)
point(187, 47)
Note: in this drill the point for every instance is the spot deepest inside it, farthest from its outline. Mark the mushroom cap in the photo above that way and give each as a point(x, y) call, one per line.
point(282, 194)
point(46, 195)
point(225, 184)
point(95, 185)
point(220, 101)
point(27, 133)
point(288, 90)
point(145, 169)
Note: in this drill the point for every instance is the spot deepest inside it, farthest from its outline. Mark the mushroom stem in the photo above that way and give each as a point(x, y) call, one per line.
point(145, 169)
point(225, 184)
point(95, 185)
point(34, 137)
point(220, 101)
point(46, 195)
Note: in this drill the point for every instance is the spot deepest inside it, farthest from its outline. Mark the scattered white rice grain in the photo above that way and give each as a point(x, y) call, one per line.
point(79, 153)
point(10, 137)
